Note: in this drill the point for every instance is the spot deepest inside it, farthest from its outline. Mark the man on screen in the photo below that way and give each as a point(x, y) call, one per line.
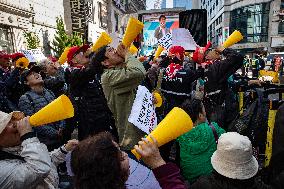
point(161, 31)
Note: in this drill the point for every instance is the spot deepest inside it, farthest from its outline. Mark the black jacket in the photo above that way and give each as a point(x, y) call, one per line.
point(3, 75)
point(56, 83)
point(5, 104)
point(276, 163)
point(177, 89)
point(14, 89)
point(91, 106)
point(217, 93)
point(216, 181)
point(218, 73)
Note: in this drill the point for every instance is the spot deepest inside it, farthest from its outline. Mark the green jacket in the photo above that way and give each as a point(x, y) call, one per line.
point(196, 149)
point(119, 85)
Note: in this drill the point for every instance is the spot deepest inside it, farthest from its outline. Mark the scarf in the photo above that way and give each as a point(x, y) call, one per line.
point(172, 70)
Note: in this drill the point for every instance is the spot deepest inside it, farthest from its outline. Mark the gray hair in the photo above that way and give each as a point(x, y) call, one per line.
point(42, 63)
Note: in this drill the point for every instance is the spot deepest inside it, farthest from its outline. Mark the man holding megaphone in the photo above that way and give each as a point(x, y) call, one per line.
point(13, 87)
point(122, 75)
point(92, 112)
point(216, 77)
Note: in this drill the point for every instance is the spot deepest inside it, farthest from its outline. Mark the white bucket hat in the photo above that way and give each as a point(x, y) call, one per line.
point(233, 157)
point(6, 118)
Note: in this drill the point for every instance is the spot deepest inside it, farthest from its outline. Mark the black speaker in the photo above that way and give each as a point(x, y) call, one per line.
point(195, 21)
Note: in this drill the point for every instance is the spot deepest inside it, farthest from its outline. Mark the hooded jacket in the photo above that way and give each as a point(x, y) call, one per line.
point(196, 149)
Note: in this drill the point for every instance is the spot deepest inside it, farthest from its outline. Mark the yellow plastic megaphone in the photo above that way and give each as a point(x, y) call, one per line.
point(133, 28)
point(158, 98)
point(22, 62)
point(63, 58)
point(234, 38)
point(133, 49)
point(272, 74)
point(175, 124)
point(158, 52)
point(59, 109)
point(103, 40)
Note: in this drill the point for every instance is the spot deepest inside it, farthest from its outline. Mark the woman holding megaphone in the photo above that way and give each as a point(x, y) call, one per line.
point(216, 77)
point(24, 161)
point(98, 162)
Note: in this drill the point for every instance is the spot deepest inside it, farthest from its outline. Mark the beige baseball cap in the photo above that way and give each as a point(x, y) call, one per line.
point(6, 118)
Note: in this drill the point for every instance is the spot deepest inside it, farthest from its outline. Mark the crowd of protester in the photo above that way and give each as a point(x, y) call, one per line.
point(102, 87)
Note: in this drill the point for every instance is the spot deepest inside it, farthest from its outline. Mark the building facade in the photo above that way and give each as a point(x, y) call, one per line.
point(260, 21)
point(119, 12)
point(163, 4)
point(86, 17)
point(183, 3)
point(196, 4)
point(133, 6)
point(38, 16)
point(177, 4)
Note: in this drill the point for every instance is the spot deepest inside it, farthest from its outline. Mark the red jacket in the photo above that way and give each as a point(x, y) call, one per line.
point(169, 177)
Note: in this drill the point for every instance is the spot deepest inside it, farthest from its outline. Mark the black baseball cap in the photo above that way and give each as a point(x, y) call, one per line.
point(27, 72)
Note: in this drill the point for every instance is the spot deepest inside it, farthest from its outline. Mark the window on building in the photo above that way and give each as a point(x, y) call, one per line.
point(281, 25)
point(282, 4)
point(6, 39)
point(116, 21)
point(252, 21)
point(102, 10)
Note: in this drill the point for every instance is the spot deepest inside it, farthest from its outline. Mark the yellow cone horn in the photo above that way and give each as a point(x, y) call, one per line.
point(175, 124)
point(63, 58)
point(158, 52)
point(134, 27)
point(158, 98)
point(22, 62)
point(234, 38)
point(103, 40)
point(133, 49)
point(59, 109)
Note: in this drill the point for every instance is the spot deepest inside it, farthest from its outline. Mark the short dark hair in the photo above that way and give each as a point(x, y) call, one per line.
point(193, 107)
point(97, 58)
point(96, 163)
point(162, 16)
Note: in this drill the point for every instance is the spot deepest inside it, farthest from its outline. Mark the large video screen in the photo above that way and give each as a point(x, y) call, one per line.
point(151, 22)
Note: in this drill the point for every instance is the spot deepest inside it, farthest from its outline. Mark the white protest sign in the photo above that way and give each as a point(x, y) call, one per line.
point(166, 41)
point(143, 113)
point(182, 37)
point(28, 55)
point(115, 40)
point(33, 55)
